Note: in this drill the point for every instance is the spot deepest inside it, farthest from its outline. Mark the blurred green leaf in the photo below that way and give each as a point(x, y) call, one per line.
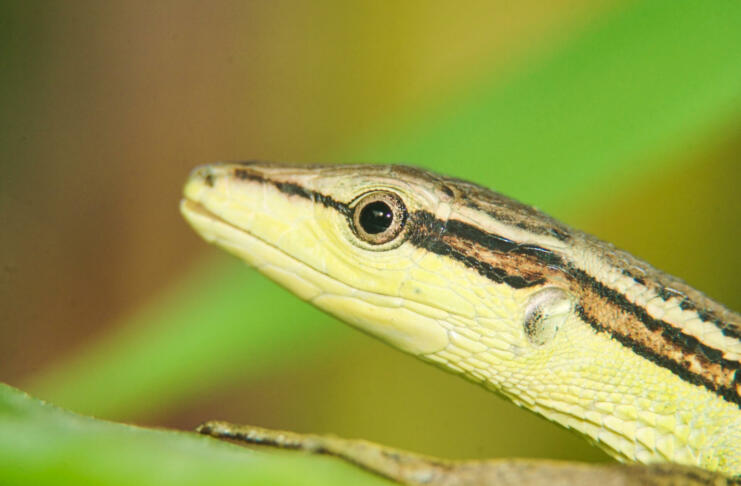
point(41, 444)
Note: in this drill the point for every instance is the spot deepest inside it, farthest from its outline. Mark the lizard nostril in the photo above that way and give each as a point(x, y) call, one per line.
point(208, 178)
point(205, 173)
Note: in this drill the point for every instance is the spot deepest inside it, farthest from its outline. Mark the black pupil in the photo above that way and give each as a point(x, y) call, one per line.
point(376, 217)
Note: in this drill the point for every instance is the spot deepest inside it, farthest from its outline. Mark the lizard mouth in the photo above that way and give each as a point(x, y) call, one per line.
point(193, 209)
point(216, 229)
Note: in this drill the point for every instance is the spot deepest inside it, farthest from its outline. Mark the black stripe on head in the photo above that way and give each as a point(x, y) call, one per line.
point(293, 189)
point(497, 243)
point(427, 232)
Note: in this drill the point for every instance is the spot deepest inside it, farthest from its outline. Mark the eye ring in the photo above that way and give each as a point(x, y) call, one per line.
point(379, 217)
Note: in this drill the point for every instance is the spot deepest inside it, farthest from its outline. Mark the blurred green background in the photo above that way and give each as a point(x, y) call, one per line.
point(620, 118)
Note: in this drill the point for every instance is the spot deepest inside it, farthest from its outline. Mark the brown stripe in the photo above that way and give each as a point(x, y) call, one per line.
point(688, 367)
point(671, 333)
point(430, 233)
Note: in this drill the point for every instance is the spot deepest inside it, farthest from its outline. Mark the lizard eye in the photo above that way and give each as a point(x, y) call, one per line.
point(379, 217)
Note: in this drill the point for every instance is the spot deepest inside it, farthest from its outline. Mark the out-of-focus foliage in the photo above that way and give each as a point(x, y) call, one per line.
point(586, 117)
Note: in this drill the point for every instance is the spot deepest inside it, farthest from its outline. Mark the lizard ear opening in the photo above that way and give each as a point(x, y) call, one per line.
point(545, 312)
